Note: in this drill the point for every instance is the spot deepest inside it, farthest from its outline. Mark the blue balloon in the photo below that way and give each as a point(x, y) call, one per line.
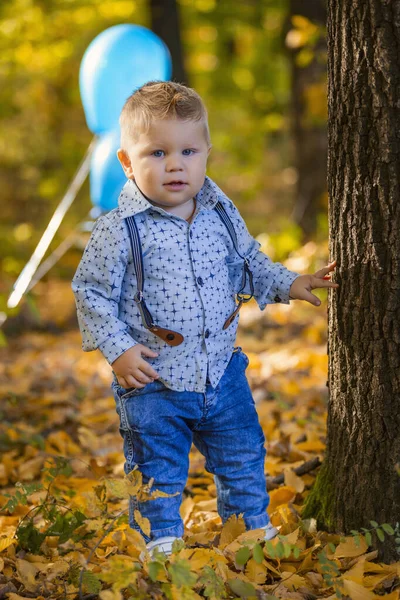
point(118, 61)
point(107, 177)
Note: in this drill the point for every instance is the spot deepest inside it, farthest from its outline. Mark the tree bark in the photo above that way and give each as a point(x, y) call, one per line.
point(165, 23)
point(359, 480)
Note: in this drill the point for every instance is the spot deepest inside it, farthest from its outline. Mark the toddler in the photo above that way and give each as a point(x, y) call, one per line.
point(158, 291)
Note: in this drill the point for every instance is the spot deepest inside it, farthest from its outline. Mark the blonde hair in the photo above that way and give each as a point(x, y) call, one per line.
point(160, 100)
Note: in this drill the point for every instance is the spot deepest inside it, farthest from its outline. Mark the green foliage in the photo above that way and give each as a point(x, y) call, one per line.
point(29, 537)
point(258, 553)
point(181, 575)
point(155, 568)
point(242, 556)
point(282, 549)
point(91, 583)
point(331, 573)
point(20, 497)
point(214, 587)
point(379, 531)
point(242, 589)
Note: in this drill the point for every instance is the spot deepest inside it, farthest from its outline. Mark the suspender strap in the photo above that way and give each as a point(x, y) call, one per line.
point(139, 270)
point(172, 338)
point(246, 273)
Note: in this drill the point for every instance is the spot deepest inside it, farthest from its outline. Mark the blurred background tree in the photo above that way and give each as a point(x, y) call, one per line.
point(260, 66)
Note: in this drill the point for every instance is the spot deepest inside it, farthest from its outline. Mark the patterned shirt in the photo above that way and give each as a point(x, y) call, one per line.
point(191, 275)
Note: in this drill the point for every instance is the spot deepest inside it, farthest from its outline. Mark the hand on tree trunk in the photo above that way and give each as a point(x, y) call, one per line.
point(302, 285)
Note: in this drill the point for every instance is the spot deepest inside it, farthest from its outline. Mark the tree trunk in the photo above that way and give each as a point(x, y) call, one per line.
point(359, 480)
point(165, 23)
point(309, 134)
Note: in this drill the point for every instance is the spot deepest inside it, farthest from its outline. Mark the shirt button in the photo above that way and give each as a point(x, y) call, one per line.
point(191, 233)
point(277, 299)
point(207, 333)
point(200, 281)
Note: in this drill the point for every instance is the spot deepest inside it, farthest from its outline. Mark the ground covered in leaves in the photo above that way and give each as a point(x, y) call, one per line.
point(63, 525)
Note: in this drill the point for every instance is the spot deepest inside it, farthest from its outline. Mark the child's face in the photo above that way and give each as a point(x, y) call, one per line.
point(168, 162)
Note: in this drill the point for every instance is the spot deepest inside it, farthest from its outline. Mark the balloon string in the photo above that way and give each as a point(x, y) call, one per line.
point(27, 273)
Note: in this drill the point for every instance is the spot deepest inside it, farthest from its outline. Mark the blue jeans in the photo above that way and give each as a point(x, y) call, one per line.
point(158, 426)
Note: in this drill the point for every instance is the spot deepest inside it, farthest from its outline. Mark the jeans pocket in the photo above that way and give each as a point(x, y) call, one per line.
point(129, 392)
point(238, 350)
point(124, 393)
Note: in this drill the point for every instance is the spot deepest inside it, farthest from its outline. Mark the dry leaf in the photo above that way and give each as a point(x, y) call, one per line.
point(294, 481)
point(143, 523)
point(348, 548)
point(233, 527)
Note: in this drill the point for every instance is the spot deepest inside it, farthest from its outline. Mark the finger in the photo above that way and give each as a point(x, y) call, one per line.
point(148, 370)
point(148, 352)
point(318, 282)
point(321, 272)
point(309, 297)
point(129, 381)
point(135, 382)
point(142, 377)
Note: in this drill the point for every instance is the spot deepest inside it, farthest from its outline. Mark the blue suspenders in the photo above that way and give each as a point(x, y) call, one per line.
point(173, 338)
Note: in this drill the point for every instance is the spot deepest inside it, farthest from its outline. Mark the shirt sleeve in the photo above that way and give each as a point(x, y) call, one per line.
point(97, 288)
point(272, 281)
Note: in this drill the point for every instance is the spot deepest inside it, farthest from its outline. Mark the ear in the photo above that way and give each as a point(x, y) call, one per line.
point(125, 163)
point(209, 150)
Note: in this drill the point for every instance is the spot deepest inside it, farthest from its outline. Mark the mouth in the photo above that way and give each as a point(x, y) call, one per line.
point(177, 184)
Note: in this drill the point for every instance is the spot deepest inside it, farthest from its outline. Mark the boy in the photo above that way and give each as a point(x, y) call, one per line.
point(164, 313)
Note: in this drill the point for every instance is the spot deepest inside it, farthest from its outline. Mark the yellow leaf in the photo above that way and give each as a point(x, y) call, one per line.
point(282, 495)
point(12, 596)
point(134, 538)
point(143, 523)
point(292, 537)
point(117, 487)
point(200, 557)
point(57, 568)
point(27, 573)
point(5, 542)
point(257, 573)
point(292, 480)
point(186, 508)
point(356, 573)
point(30, 469)
point(348, 548)
point(110, 595)
point(207, 505)
point(62, 443)
point(1, 564)
point(291, 581)
point(232, 528)
point(357, 591)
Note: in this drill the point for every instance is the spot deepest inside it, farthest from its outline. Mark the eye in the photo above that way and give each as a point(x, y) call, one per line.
point(158, 153)
point(188, 152)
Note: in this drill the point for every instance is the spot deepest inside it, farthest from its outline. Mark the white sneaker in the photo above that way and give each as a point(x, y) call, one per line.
point(270, 531)
point(163, 544)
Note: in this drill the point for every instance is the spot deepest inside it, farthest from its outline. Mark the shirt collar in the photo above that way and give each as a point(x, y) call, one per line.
point(131, 201)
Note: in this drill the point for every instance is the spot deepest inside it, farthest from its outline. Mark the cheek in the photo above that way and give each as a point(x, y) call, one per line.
point(147, 172)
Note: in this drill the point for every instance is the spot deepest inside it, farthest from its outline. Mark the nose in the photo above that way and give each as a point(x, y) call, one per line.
point(174, 163)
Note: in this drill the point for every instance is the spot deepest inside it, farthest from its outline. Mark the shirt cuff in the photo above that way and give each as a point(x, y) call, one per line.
point(280, 294)
point(279, 290)
point(115, 345)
